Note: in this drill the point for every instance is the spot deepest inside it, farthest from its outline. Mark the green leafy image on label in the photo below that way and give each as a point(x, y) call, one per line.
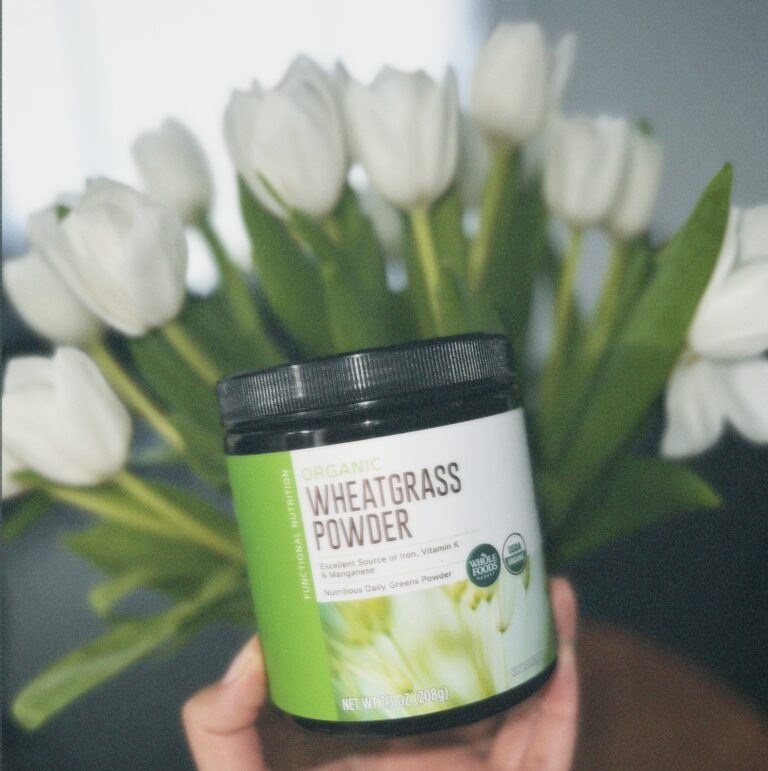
point(515, 554)
point(483, 565)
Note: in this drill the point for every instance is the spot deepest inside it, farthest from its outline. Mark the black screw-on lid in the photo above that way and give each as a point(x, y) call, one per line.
point(362, 376)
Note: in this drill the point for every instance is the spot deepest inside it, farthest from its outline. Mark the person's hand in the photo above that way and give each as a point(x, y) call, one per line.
point(231, 726)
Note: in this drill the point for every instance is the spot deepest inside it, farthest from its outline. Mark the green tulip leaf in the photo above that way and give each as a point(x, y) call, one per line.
point(204, 320)
point(173, 381)
point(645, 352)
point(290, 279)
point(516, 260)
point(174, 568)
point(583, 371)
point(356, 318)
point(636, 493)
point(361, 249)
point(446, 216)
point(197, 508)
point(203, 450)
point(23, 513)
point(128, 642)
point(104, 596)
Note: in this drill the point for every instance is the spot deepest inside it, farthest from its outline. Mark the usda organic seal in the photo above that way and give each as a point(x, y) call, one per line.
point(483, 565)
point(515, 554)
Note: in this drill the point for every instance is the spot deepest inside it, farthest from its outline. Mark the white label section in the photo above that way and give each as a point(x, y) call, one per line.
point(403, 512)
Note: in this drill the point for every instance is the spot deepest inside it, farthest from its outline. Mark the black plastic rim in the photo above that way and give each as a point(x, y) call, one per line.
point(435, 721)
point(365, 375)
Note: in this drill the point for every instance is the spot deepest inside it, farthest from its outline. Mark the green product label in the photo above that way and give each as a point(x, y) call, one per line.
point(266, 502)
point(396, 576)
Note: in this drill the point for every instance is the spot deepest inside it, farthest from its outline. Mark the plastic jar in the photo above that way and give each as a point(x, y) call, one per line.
point(387, 514)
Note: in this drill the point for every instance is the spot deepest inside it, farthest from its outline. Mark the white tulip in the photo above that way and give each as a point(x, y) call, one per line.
point(293, 137)
point(562, 58)
point(46, 303)
point(510, 92)
point(585, 164)
point(405, 130)
point(722, 376)
point(632, 210)
point(61, 419)
point(124, 255)
point(174, 169)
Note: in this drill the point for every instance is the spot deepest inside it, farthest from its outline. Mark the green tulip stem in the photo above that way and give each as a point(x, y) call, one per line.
point(332, 228)
point(131, 393)
point(563, 307)
point(104, 508)
point(489, 215)
point(233, 284)
point(186, 347)
point(177, 518)
point(605, 317)
point(429, 263)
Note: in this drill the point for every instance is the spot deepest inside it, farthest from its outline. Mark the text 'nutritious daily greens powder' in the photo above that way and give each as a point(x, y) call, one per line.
point(387, 514)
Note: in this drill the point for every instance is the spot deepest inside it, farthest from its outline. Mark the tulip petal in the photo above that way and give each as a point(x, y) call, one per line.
point(46, 303)
point(103, 418)
point(585, 165)
point(631, 211)
point(733, 322)
point(563, 58)
point(694, 409)
point(292, 136)
point(125, 256)
point(174, 169)
point(754, 234)
point(510, 93)
point(744, 392)
point(405, 130)
point(23, 371)
point(62, 420)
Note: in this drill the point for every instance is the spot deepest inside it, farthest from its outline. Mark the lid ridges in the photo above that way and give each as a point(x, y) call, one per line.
point(363, 376)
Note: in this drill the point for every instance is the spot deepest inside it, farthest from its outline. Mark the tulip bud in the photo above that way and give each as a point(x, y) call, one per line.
point(47, 304)
point(174, 169)
point(405, 130)
point(293, 137)
point(632, 210)
point(61, 419)
point(585, 164)
point(123, 254)
point(510, 93)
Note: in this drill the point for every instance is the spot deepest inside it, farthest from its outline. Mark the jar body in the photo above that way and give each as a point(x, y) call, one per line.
point(395, 559)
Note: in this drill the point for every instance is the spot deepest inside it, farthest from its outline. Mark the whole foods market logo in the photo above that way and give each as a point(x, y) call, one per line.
point(515, 554)
point(483, 565)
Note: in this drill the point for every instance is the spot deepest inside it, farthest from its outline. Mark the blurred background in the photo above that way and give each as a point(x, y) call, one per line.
point(81, 79)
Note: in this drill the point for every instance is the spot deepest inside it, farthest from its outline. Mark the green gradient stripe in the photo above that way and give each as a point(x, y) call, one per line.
point(283, 590)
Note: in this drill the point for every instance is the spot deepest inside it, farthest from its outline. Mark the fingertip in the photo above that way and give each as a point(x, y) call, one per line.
point(565, 609)
point(233, 702)
point(219, 720)
point(249, 658)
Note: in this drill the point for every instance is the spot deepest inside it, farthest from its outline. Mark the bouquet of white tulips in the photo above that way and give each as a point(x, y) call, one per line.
point(376, 214)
